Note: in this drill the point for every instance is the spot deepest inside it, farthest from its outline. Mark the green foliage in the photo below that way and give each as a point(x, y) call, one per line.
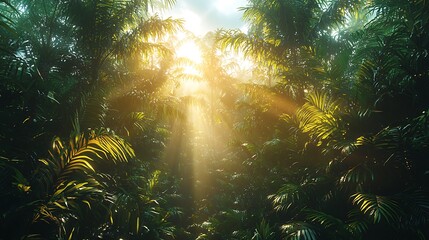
point(290, 195)
point(5, 22)
point(66, 182)
point(264, 232)
point(299, 231)
point(359, 174)
point(378, 207)
point(60, 61)
point(332, 142)
point(319, 116)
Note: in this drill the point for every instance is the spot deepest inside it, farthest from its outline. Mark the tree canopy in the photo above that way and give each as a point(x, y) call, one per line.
point(118, 123)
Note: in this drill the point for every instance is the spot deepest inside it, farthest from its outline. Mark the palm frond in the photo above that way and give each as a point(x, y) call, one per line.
point(161, 4)
point(336, 12)
point(320, 116)
point(155, 27)
point(359, 174)
point(113, 148)
point(326, 220)
point(415, 202)
point(264, 231)
point(291, 195)
point(299, 231)
point(251, 46)
point(12, 178)
point(81, 153)
point(91, 111)
point(67, 179)
point(378, 208)
point(402, 142)
point(5, 21)
point(357, 224)
point(138, 39)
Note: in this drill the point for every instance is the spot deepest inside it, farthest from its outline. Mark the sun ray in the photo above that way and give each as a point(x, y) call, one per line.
point(190, 50)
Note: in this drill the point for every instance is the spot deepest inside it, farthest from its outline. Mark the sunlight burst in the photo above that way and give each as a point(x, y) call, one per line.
point(190, 54)
point(193, 88)
point(189, 50)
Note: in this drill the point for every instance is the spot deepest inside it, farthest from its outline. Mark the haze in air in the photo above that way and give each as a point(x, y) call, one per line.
point(207, 120)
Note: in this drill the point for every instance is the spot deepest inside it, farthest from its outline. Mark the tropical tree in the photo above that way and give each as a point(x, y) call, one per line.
point(60, 187)
point(338, 150)
point(370, 177)
point(289, 37)
point(75, 192)
point(327, 140)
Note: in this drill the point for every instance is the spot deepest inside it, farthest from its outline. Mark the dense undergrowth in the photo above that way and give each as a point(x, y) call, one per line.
point(326, 138)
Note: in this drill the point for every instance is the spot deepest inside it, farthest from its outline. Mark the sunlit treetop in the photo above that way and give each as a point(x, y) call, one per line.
point(204, 16)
